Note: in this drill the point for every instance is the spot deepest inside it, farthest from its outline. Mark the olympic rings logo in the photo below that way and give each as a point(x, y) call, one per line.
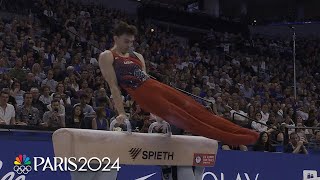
point(22, 169)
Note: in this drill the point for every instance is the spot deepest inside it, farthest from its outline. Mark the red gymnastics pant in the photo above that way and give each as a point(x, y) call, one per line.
point(184, 112)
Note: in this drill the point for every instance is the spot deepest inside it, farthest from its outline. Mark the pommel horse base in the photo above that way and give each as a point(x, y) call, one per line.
point(135, 148)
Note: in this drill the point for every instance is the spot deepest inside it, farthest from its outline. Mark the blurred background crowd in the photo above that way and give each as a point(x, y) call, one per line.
point(50, 76)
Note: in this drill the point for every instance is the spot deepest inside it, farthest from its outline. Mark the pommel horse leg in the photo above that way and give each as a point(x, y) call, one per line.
point(183, 172)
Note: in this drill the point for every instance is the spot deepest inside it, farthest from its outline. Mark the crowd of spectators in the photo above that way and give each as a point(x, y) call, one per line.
point(49, 75)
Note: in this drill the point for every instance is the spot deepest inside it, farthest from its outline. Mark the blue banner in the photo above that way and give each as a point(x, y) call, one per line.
point(230, 165)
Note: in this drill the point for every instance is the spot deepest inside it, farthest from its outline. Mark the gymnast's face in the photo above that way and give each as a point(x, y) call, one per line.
point(124, 42)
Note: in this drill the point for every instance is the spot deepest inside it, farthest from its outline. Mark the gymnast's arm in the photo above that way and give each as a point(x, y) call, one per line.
point(107, 70)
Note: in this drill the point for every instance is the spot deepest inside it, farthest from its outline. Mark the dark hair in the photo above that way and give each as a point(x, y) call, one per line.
point(4, 92)
point(84, 96)
point(73, 111)
point(259, 146)
point(25, 94)
point(260, 137)
point(70, 120)
point(102, 100)
point(292, 134)
point(58, 86)
point(124, 28)
point(54, 95)
point(15, 82)
point(55, 100)
point(44, 87)
point(258, 113)
point(99, 112)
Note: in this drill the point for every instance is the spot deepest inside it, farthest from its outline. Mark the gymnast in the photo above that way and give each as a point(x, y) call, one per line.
point(125, 69)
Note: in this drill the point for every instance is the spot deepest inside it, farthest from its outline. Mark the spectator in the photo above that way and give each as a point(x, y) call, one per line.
point(5, 81)
point(28, 114)
point(303, 113)
point(105, 102)
point(7, 111)
point(272, 120)
point(276, 134)
point(39, 75)
point(237, 148)
point(53, 118)
point(49, 81)
point(263, 143)
point(247, 91)
point(84, 85)
point(62, 109)
point(29, 83)
point(240, 116)
point(264, 113)
point(71, 72)
point(17, 93)
point(146, 121)
point(315, 141)
point(295, 145)
point(101, 93)
point(138, 118)
point(45, 98)
point(86, 109)
point(302, 133)
point(36, 102)
point(65, 103)
point(89, 93)
point(60, 90)
point(221, 106)
point(251, 112)
point(209, 98)
point(58, 74)
point(76, 120)
point(260, 127)
point(279, 116)
point(17, 72)
point(87, 78)
point(12, 100)
point(100, 122)
point(73, 83)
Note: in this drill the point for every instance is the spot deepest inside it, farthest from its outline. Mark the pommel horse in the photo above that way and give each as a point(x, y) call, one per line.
point(136, 149)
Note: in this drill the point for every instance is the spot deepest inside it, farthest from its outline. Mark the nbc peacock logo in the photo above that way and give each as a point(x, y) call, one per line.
point(22, 164)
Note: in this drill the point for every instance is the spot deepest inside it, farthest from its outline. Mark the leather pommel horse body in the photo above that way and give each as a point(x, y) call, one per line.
point(135, 148)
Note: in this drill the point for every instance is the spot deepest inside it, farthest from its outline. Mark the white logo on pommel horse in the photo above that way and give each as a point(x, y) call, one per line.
point(134, 152)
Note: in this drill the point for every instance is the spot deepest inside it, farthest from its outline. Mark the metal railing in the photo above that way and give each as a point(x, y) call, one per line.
point(286, 130)
point(188, 93)
point(193, 95)
point(254, 120)
point(275, 143)
point(309, 145)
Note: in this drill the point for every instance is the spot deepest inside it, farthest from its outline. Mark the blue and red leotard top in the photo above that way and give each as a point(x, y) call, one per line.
point(129, 71)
